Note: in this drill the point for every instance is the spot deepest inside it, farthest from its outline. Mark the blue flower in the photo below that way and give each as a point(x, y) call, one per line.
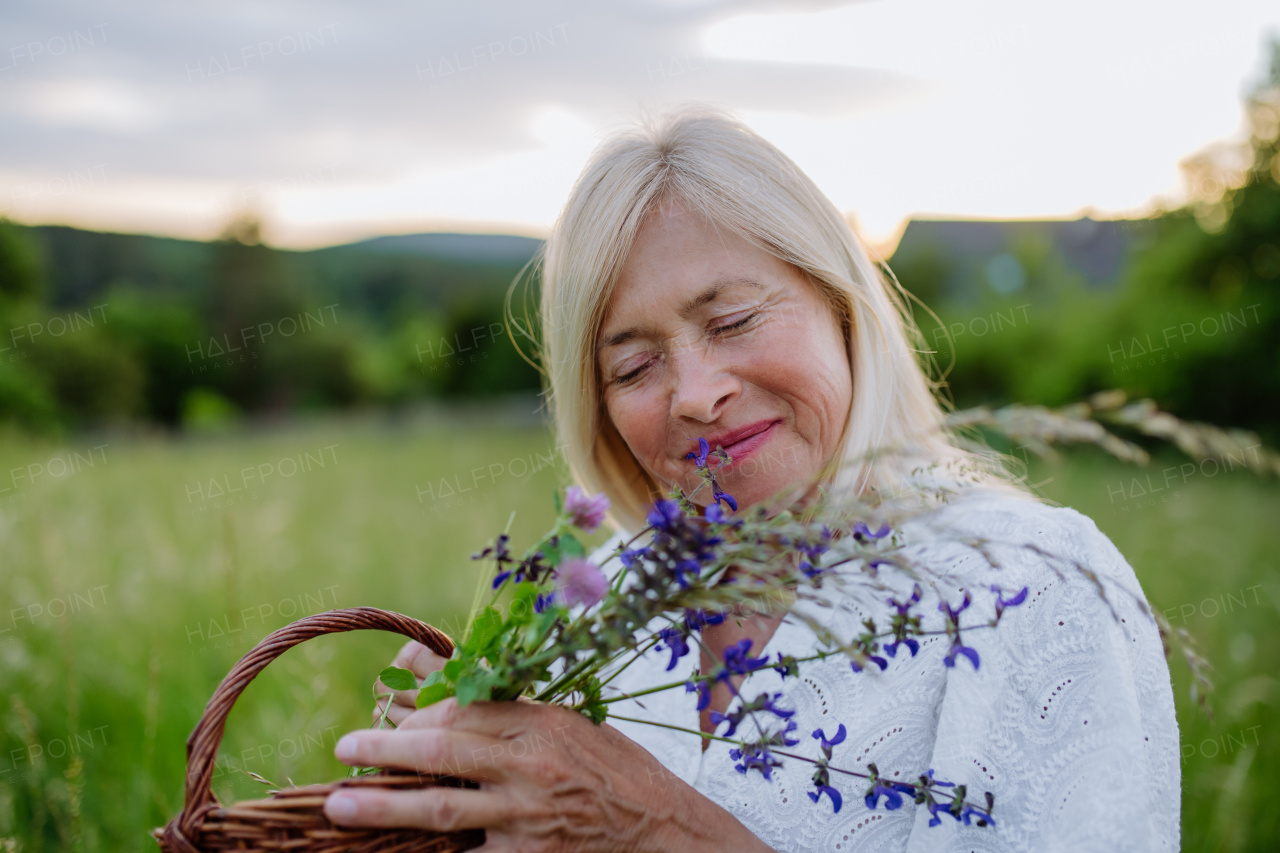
point(700, 458)
point(1012, 602)
point(665, 516)
point(938, 782)
point(768, 705)
point(500, 578)
point(1002, 602)
point(951, 612)
point(726, 497)
point(543, 601)
point(686, 567)
point(956, 650)
point(675, 640)
point(903, 607)
point(738, 661)
point(733, 718)
point(786, 666)
point(791, 727)
point(703, 690)
point(836, 739)
point(936, 808)
point(696, 620)
point(861, 531)
point(983, 819)
point(890, 792)
point(716, 515)
point(891, 649)
point(836, 800)
point(631, 557)
point(878, 661)
point(755, 756)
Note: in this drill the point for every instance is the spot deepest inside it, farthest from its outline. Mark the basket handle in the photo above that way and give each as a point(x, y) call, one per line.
point(202, 745)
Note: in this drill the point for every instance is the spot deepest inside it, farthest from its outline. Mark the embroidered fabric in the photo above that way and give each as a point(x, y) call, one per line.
point(1068, 720)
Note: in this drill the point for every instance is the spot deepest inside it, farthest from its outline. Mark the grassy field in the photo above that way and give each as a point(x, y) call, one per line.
point(132, 577)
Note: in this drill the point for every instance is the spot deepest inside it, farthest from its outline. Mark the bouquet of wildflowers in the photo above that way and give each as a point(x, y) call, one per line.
point(569, 629)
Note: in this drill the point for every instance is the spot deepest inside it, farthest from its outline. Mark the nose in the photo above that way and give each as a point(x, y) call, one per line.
point(702, 385)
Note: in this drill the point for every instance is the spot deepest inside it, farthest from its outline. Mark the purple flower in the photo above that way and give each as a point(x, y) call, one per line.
point(675, 640)
point(837, 739)
point(1002, 602)
point(956, 650)
point(696, 620)
point(632, 557)
point(738, 661)
point(768, 705)
point(686, 567)
point(704, 692)
point(892, 793)
point(786, 666)
point(733, 718)
point(585, 511)
point(954, 613)
point(903, 607)
point(580, 581)
point(875, 659)
point(836, 800)
point(939, 782)
point(755, 756)
point(543, 602)
point(700, 458)
point(936, 808)
point(716, 515)
point(726, 497)
point(891, 649)
point(665, 515)
point(861, 531)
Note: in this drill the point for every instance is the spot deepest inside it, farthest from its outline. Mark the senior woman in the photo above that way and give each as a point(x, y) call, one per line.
point(698, 284)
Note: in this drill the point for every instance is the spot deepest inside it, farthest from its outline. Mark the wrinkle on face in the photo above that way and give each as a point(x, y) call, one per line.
point(705, 333)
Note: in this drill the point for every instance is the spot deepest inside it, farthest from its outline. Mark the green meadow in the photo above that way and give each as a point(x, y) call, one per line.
point(135, 570)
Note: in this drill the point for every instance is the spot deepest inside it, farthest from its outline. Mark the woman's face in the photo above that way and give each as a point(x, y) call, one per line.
point(709, 336)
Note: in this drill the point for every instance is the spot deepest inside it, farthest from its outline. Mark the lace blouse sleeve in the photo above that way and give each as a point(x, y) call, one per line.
point(1069, 719)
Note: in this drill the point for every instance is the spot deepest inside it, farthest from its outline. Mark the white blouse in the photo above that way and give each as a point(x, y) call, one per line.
point(1069, 720)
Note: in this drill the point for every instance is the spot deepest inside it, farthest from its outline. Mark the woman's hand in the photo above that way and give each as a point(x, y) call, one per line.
point(549, 779)
point(419, 660)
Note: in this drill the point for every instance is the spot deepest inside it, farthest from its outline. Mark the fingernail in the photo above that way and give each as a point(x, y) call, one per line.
point(345, 751)
point(340, 808)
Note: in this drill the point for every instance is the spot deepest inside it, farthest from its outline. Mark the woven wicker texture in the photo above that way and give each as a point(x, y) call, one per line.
point(294, 819)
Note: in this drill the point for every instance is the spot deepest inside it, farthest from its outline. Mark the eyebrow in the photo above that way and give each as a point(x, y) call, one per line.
point(706, 297)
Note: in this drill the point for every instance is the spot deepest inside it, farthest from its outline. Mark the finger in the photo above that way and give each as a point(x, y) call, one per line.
point(397, 713)
point(497, 719)
point(440, 809)
point(438, 751)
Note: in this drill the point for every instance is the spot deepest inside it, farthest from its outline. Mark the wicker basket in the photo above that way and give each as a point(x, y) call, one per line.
point(294, 819)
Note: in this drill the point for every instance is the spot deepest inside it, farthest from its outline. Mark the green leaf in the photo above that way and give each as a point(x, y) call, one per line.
point(433, 693)
point(453, 669)
point(433, 678)
point(571, 547)
point(521, 610)
point(474, 687)
point(398, 679)
point(487, 626)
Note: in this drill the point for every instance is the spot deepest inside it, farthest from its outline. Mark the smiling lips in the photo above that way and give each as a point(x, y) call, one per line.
point(744, 441)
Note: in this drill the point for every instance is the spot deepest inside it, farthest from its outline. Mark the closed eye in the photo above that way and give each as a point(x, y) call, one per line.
point(737, 324)
point(632, 374)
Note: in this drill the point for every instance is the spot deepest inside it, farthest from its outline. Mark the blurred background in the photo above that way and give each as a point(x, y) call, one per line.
point(253, 360)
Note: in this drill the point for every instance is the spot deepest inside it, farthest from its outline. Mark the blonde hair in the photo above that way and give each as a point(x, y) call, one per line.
point(716, 165)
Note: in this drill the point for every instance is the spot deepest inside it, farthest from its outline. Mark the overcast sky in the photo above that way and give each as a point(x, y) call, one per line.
point(337, 119)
